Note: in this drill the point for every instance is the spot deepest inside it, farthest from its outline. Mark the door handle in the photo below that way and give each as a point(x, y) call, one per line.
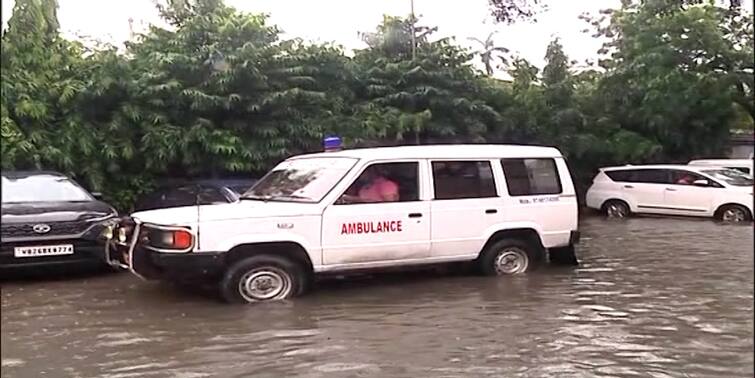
point(415, 215)
point(629, 186)
point(670, 189)
point(491, 211)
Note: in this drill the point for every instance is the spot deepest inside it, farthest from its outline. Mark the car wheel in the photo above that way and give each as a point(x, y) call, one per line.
point(734, 214)
point(616, 209)
point(262, 278)
point(508, 257)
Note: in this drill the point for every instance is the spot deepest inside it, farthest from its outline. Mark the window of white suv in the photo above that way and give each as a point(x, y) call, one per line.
point(530, 177)
point(384, 182)
point(683, 177)
point(463, 179)
point(730, 176)
point(646, 175)
point(301, 180)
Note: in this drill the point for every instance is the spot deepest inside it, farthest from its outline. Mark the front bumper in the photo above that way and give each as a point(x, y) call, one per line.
point(88, 248)
point(566, 255)
point(152, 265)
point(574, 237)
point(85, 252)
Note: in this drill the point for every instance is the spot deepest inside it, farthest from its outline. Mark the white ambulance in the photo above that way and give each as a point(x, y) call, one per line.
point(504, 208)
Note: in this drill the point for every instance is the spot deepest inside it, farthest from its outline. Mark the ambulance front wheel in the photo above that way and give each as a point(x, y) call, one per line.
point(262, 278)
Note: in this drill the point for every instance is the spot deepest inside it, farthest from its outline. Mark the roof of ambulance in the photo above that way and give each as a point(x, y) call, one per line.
point(458, 151)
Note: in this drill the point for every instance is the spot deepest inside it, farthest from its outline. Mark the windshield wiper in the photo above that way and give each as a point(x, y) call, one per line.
point(256, 198)
point(294, 196)
point(276, 198)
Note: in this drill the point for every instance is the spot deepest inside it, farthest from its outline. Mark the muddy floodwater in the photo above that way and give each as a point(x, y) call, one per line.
point(652, 298)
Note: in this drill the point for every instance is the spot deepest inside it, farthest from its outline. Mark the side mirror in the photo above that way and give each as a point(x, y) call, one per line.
point(701, 183)
point(97, 195)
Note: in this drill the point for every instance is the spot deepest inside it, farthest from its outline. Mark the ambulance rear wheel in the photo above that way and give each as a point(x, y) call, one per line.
point(509, 257)
point(262, 278)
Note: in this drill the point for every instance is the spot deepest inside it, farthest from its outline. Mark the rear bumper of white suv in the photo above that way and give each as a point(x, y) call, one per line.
point(594, 200)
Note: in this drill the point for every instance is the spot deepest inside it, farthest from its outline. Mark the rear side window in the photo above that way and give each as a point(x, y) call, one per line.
point(210, 195)
point(620, 176)
point(168, 197)
point(648, 176)
point(181, 196)
point(651, 176)
point(463, 179)
point(530, 177)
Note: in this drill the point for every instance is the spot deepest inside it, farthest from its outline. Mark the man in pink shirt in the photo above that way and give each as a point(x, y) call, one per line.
point(377, 189)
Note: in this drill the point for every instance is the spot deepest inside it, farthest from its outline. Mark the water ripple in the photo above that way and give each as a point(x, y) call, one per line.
point(652, 298)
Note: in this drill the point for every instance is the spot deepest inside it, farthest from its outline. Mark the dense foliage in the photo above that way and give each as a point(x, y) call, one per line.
point(220, 93)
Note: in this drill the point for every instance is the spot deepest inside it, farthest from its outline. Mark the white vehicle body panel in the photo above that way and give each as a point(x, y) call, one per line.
point(551, 215)
point(460, 227)
point(350, 232)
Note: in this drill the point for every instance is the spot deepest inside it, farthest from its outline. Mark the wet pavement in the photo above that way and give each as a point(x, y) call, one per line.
point(652, 298)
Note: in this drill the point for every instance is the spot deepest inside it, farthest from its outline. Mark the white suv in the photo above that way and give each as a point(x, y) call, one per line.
point(501, 207)
point(673, 190)
point(744, 165)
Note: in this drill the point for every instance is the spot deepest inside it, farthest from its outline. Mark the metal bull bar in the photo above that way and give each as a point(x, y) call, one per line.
point(128, 262)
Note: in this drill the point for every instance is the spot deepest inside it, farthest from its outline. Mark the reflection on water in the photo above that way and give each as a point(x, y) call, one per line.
point(652, 298)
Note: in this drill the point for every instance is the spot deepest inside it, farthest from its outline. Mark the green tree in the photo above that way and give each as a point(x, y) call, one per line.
point(219, 92)
point(42, 75)
point(393, 37)
point(528, 110)
point(177, 12)
point(223, 93)
point(510, 11)
point(564, 109)
point(664, 79)
point(435, 97)
point(556, 76)
point(489, 51)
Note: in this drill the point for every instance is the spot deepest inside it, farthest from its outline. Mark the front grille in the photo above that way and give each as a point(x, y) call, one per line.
point(56, 229)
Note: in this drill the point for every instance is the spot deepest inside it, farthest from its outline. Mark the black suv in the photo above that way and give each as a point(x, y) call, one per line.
point(204, 192)
point(49, 219)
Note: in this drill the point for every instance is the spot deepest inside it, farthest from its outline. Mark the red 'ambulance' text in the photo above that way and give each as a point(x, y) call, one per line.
point(370, 227)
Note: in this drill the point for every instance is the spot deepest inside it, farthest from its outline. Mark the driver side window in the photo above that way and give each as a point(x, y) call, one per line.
point(685, 177)
point(384, 182)
point(679, 177)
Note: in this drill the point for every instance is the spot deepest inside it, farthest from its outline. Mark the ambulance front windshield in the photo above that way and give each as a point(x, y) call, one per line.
point(301, 180)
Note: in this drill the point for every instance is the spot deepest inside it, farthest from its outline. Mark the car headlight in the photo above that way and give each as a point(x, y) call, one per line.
point(117, 230)
point(122, 235)
point(107, 232)
point(171, 239)
point(108, 226)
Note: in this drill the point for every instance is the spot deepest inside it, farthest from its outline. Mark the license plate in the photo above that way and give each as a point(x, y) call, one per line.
point(43, 250)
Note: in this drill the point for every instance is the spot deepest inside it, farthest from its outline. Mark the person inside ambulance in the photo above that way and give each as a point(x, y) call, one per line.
point(373, 186)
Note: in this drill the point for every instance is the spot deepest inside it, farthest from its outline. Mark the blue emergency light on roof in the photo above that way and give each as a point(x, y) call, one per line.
point(332, 143)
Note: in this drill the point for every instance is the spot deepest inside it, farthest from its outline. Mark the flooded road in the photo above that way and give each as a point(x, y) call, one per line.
point(652, 298)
